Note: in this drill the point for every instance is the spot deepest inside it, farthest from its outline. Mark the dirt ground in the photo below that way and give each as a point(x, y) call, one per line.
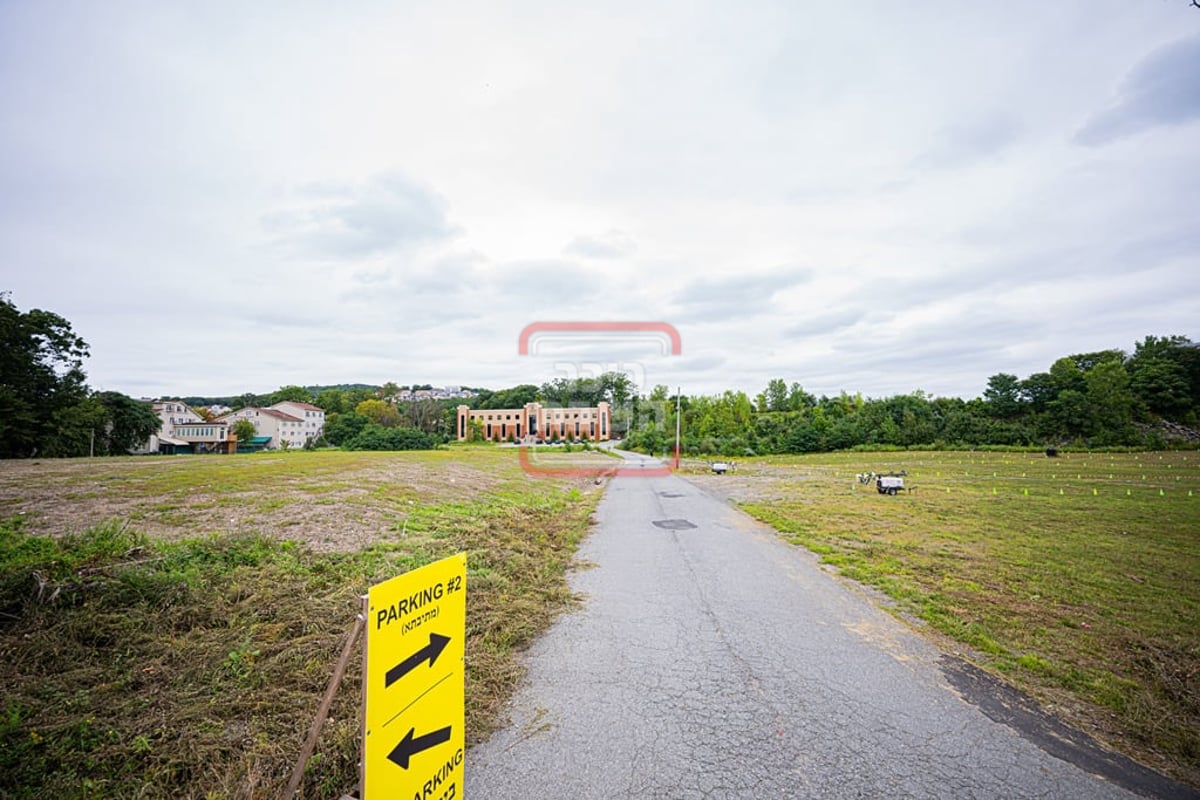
point(344, 509)
point(747, 483)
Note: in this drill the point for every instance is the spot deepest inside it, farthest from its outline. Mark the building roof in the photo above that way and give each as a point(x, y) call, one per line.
point(270, 412)
point(305, 406)
point(274, 412)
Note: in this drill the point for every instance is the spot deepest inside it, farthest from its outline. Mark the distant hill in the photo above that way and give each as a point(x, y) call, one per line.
point(345, 387)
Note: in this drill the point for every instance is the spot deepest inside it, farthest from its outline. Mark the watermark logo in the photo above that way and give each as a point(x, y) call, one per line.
point(573, 439)
point(536, 333)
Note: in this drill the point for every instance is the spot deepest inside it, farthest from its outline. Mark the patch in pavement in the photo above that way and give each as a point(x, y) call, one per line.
point(1003, 704)
point(674, 524)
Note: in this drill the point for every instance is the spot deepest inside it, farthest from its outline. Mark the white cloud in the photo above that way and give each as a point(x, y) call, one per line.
point(871, 197)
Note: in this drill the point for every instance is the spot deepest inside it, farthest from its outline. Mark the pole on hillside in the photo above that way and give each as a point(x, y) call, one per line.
point(677, 394)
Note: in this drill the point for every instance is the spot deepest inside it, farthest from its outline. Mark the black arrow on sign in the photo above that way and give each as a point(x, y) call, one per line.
point(410, 746)
point(430, 652)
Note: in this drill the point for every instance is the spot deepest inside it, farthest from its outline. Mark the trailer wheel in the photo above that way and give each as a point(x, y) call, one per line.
point(892, 490)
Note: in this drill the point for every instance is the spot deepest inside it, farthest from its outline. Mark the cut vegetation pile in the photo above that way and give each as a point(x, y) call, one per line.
point(168, 625)
point(1077, 577)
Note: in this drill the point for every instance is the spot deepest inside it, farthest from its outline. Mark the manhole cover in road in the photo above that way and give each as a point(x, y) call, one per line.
point(673, 524)
point(670, 494)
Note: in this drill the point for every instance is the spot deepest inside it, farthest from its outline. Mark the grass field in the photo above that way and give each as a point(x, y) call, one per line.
point(168, 624)
point(1077, 577)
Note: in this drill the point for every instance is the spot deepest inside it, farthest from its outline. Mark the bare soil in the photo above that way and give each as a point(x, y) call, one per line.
point(340, 512)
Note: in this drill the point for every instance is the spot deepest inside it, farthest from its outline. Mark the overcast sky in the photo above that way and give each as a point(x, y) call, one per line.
point(873, 196)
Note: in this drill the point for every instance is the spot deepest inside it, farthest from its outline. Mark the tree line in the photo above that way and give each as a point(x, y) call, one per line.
point(1108, 398)
point(1149, 398)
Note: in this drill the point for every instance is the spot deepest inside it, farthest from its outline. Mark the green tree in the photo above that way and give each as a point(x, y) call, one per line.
point(1151, 352)
point(1111, 402)
point(428, 415)
point(798, 399)
point(244, 430)
point(1069, 414)
point(295, 394)
point(128, 423)
point(41, 376)
point(1003, 395)
point(333, 401)
point(1066, 374)
point(913, 415)
point(611, 387)
point(249, 400)
point(372, 437)
point(804, 437)
point(515, 397)
point(379, 412)
point(777, 395)
point(1086, 362)
point(341, 428)
point(76, 430)
point(617, 388)
point(1161, 387)
point(1038, 390)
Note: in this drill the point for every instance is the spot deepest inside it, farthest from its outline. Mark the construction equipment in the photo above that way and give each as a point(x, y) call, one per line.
point(885, 483)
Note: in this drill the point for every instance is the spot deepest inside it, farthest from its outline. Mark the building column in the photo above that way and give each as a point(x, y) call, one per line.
point(464, 422)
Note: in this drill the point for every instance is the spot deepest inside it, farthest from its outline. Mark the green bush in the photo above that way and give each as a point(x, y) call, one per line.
point(377, 437)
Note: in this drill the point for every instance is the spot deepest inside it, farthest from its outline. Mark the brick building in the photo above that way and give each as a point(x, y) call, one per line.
point(535, 421)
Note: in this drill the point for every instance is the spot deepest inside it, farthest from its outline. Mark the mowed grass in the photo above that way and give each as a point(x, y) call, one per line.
point(189, 663)
point(1077, 577)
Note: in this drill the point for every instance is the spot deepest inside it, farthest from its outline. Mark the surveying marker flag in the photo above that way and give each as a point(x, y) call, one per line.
point(413, 688)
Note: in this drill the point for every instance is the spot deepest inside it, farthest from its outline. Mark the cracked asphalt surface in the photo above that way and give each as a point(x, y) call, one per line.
point(710, 659)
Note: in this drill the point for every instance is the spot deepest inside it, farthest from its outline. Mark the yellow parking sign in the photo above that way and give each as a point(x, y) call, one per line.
point(413, 715)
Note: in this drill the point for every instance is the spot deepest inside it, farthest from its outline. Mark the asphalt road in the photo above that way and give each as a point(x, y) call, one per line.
point(710, 659)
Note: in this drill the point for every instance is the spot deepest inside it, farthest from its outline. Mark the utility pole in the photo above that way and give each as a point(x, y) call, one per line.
point(677, 394)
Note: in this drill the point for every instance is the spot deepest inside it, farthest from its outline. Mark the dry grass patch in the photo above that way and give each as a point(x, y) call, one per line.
point(331, 500)
point(187, 663)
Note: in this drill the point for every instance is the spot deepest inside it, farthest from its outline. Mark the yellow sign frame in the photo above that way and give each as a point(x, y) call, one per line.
point(413, 684)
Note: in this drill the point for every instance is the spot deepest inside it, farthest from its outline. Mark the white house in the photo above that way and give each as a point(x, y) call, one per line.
point(279, 425)
point(312, 416)
point(173, 412)
point(183, 428)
